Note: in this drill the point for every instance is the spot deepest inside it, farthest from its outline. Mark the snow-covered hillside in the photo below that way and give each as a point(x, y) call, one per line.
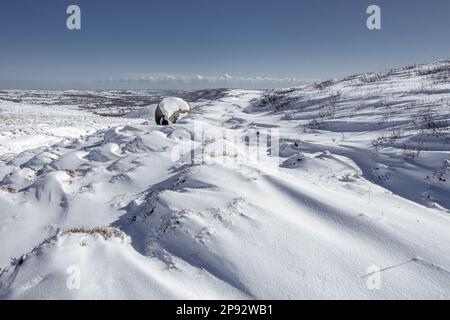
point(357, 205)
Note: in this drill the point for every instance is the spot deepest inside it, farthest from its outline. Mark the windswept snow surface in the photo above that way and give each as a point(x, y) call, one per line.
point(170, 105)
point(355, 207)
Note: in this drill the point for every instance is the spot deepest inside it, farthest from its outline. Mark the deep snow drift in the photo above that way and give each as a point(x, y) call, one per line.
point(356, 206)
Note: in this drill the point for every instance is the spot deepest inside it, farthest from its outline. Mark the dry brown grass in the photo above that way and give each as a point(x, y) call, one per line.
point(71, 173)
point(106, 233)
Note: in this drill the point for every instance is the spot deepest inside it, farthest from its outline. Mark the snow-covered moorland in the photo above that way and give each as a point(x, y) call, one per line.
point(357, 205)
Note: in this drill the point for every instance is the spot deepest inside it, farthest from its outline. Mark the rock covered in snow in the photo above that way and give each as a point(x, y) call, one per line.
point(169, 110)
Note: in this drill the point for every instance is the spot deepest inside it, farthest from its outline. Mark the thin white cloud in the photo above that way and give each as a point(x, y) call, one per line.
point(198, 80)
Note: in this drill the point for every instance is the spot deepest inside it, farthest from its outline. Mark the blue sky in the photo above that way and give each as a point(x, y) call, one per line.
point(206, 43)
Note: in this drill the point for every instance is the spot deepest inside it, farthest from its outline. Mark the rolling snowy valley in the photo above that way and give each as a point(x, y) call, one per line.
point(356, 204)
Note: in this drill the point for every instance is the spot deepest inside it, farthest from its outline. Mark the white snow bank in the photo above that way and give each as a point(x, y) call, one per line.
point(98, 264)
